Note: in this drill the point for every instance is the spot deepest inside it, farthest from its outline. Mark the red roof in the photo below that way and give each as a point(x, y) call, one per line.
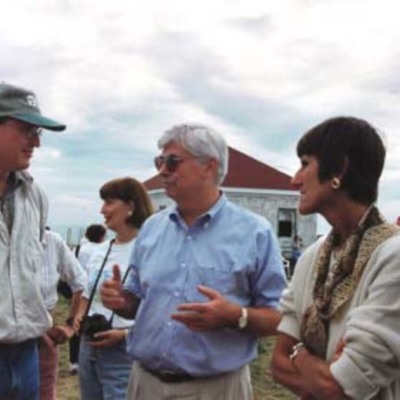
point(244, 172)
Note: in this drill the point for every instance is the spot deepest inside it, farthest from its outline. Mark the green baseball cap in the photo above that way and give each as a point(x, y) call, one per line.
point(22, 104)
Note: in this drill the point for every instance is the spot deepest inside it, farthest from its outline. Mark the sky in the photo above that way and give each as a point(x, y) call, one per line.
point(119, 73)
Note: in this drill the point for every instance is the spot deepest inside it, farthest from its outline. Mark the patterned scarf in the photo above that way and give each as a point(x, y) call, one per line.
point(343, 280)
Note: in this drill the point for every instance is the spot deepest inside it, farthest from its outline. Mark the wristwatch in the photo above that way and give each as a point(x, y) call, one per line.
point(244, 318)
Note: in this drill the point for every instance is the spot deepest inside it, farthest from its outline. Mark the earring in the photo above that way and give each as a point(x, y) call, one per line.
point(335, 183)
point(130, 212)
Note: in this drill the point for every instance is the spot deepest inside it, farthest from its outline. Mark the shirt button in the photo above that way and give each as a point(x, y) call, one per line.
point(183, 265)
point(176, 294)
point(189, 238)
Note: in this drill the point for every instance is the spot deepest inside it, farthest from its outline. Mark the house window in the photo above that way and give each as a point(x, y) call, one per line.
point(286, 222)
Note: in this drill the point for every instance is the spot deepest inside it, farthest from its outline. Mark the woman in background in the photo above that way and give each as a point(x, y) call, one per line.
point(340, 331)
point(94, 235)
point(104, 365)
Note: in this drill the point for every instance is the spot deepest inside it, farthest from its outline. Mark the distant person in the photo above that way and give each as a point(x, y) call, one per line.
point(73, 343)
point(205, 279)
point(104, 364)
point(23, 214)
point(59, 262)
point(94, 235)
point(340, 331)
point(297, 248)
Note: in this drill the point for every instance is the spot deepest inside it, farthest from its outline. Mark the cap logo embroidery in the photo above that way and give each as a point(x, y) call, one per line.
point(31, 100)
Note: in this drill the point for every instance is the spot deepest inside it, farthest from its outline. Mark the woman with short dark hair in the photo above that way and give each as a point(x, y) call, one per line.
point(104, 364)
point(340, 330)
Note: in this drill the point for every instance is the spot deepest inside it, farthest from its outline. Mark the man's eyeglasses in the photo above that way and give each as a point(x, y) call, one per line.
point(28, 130)
point(33, 132)
point(171, 162)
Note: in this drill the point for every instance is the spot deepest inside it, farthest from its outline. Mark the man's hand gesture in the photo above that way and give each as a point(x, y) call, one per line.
point(215, 313)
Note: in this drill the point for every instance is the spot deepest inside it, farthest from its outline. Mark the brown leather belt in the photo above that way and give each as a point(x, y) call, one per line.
point(169, 376)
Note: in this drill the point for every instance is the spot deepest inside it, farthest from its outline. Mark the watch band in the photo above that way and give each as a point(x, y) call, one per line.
point(295, 351)
point(244, 318)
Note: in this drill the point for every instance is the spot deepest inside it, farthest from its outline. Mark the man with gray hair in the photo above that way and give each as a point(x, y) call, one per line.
point(23, 214)
point(206, 277)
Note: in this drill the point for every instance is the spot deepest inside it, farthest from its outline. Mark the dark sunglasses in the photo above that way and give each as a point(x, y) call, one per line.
point(171, 162)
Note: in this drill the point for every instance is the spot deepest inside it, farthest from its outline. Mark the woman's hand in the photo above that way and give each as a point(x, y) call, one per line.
point(338, 350)
point(108, 338)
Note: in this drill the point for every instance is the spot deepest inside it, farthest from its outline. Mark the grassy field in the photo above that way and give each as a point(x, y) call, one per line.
point(264, 387)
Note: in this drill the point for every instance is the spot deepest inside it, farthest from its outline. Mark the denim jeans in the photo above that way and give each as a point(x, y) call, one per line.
point(19, 371)
point(104, 371)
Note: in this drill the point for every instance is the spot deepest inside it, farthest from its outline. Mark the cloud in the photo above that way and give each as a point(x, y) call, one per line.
point(260, 72)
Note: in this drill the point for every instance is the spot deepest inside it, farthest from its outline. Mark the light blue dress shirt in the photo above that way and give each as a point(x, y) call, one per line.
point(229, 249)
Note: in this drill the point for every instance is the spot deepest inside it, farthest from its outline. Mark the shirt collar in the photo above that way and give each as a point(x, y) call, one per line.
point(175, 215)
point(16, 179)
point(23, 177)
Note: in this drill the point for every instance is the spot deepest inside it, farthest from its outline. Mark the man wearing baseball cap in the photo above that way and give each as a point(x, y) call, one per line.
point(23, 214)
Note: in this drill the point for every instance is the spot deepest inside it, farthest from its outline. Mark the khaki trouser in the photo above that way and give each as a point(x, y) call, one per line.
point(234, 385)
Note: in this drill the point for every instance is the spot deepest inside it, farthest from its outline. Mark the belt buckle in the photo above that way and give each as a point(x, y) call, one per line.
point(167, 372)
point(168, 376)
